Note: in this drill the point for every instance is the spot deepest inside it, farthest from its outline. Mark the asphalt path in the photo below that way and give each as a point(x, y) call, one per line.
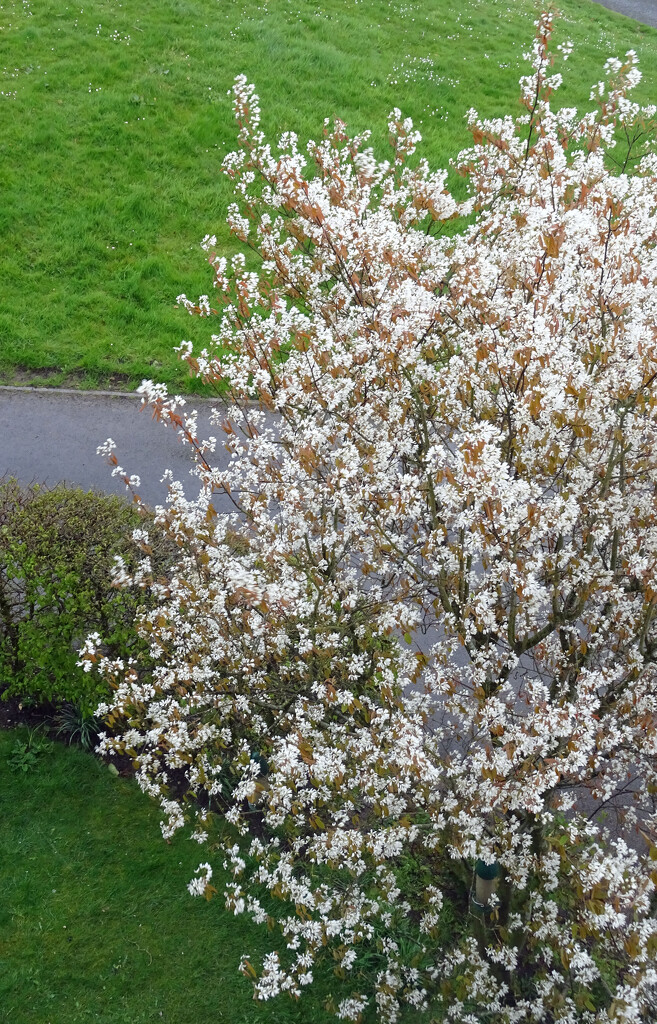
point(51, 436)
point(640, 10)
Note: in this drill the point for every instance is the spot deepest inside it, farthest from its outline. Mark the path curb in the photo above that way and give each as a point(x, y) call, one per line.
point(18, 389)
point(80, 393)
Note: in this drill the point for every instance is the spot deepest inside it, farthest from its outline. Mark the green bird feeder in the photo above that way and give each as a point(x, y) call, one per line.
point(486, 879)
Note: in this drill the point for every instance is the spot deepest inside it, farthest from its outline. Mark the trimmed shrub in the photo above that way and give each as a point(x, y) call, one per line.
point(57, 548)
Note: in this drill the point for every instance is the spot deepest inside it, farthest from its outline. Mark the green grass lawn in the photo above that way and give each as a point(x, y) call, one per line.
point(96, 924)
point(115, 119)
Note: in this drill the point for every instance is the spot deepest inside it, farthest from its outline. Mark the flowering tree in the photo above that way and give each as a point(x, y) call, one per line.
point(421, 651)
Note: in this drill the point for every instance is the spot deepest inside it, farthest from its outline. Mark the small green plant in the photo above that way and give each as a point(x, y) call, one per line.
point(76, 724)
point(21, 759)
point(25, 754)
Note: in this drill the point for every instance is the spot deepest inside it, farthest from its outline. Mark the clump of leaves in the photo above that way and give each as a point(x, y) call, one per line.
point(25, 754)
point(76, 724)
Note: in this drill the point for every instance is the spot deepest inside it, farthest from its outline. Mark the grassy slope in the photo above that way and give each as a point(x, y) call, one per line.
point(95, 921)
point(115, 118)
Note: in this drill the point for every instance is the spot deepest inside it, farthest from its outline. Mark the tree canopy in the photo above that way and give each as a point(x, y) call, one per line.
point(421, 651)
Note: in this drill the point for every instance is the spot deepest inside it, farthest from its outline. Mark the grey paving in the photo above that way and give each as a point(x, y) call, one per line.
point(48, 436)
point(640, 10)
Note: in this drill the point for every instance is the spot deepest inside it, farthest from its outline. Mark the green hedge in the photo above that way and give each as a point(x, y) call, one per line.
point(57, 548)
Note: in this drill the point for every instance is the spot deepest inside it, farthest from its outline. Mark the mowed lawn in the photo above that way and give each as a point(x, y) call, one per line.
point(115, 118)
point(96, 924)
